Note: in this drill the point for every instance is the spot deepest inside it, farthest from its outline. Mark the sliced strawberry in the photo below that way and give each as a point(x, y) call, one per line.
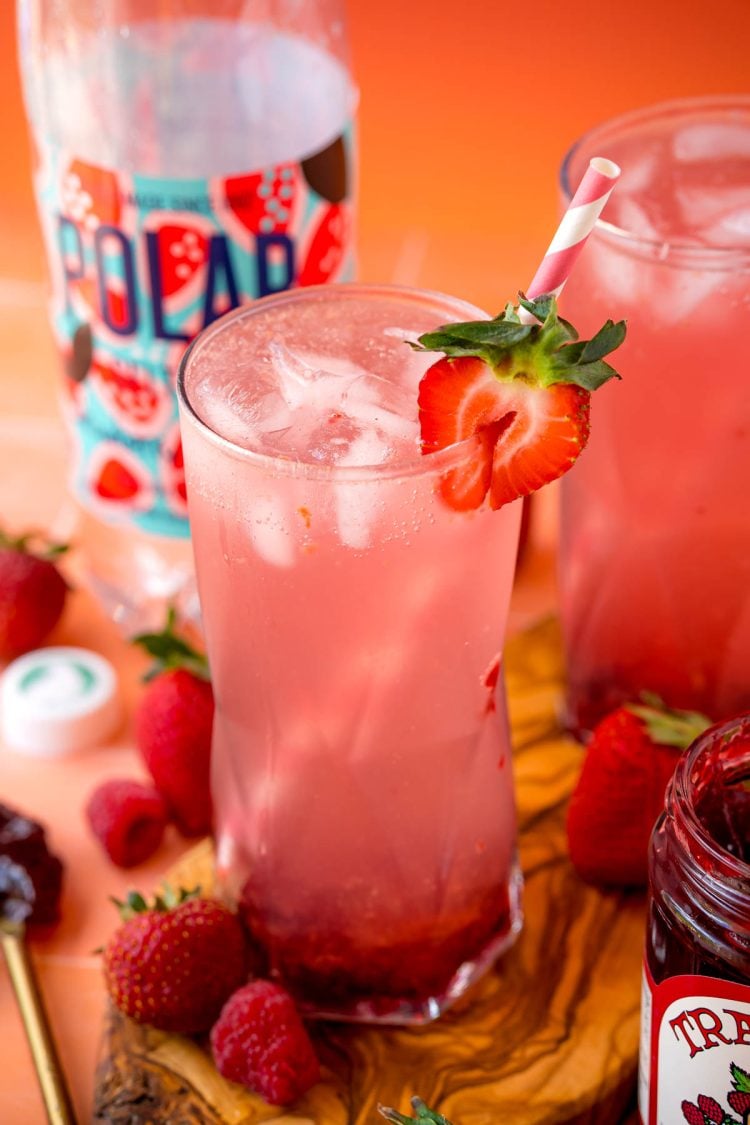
point(522, 389)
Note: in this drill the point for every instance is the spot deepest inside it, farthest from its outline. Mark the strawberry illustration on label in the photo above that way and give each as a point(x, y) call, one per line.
point(117, 477)
point(327, 245)
point(175, 259)
point(90, 195)
point(182, 252)
point(140, 405)
point(173, 472)
point(115, 481)
point(263, 202)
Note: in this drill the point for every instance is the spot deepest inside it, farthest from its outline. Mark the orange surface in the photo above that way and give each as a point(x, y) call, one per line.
point(466, 110)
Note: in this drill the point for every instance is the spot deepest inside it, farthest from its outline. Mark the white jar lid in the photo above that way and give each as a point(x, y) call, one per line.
point(58, 700)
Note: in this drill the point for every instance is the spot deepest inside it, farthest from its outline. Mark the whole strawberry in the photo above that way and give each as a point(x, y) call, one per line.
point(260, 1041)
point(32, 594)
point(174, 963)
point(173, 728)
point(620, 791)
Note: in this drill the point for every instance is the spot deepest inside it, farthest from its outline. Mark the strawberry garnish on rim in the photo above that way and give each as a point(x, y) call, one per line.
point(521, 390)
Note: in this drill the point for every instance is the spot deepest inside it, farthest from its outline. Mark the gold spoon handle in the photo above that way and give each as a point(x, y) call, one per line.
point(49, 1071)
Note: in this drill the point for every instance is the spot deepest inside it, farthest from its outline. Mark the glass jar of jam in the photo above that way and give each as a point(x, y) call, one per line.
point(695, 1013)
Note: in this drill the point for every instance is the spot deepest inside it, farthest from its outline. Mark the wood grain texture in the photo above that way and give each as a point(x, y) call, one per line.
point(549, 1037)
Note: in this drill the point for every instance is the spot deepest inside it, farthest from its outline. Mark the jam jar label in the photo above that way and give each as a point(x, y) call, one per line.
point(139, 265)
point(695, 1052)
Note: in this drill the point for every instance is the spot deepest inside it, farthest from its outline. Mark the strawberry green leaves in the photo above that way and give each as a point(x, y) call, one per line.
point(422, 1114)
point(667, 726)
point(544, 353)
point(168, 899)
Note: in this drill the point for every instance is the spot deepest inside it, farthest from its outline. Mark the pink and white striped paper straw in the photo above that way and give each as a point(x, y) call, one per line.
point(577, 223)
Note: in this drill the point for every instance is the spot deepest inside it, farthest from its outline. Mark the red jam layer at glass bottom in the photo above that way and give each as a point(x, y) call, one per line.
point(406, 973)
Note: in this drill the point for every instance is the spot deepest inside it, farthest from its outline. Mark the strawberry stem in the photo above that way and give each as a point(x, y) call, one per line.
point(667, 726)
point(167, 900)
point(171, 651)
point(423, 1114)
point(46, 549)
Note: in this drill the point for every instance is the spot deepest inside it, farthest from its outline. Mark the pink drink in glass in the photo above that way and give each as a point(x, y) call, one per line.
point(655, 553)
point(354, 623)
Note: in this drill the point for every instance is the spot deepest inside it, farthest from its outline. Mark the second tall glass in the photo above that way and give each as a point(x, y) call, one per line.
point(655, 553)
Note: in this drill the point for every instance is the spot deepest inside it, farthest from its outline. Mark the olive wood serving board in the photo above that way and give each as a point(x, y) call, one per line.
point(549, 1036)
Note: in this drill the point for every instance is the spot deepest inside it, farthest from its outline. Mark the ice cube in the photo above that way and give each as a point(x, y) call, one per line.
point(731, 228)
point(702, 206)
point(232, 413)
point(311, 379)
point(358, 502)
point(635, 219)
point(638, 174)
point(369, 387)
point(299, 379)
point(712, 143)
point(367, 448)
point(385, 423)
point(268, 525)
point(619, 275)
point(681, 291)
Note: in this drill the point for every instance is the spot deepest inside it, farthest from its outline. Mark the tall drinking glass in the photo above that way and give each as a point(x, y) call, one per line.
point(655, 550)
point(354, 623)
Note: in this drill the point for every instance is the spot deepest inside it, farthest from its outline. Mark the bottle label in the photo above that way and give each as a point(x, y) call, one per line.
point(694, 1062)
point(139, 265)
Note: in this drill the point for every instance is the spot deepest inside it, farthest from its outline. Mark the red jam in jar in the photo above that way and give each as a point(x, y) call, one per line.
point(695, 1012)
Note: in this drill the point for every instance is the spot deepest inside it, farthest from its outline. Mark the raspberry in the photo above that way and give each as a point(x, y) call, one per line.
point(260, 1041)
point(692, 1114)
point(128, 818)
point(711, 1108)
point(739, 1101)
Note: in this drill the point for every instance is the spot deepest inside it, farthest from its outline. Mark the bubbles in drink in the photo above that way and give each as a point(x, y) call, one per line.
point(268, 526)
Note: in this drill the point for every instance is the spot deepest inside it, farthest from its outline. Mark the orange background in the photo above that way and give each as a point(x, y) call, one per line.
point(466, 110)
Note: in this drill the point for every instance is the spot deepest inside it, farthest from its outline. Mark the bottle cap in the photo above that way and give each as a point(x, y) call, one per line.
point(57, 700)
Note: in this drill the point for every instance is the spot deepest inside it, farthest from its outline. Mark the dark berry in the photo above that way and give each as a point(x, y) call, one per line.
point(23, 844)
